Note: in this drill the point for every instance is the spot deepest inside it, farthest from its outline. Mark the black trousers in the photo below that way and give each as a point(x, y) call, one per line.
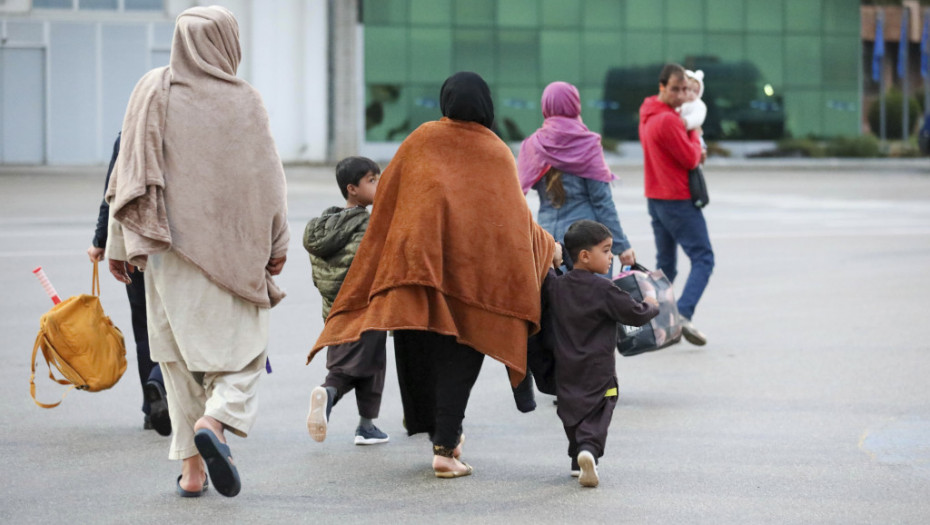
point(591, 432)
point(359, 365)
point(148, 370)
point(436, 375)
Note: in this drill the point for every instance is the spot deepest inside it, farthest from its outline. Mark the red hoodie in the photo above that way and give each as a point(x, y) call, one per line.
point(669, 150)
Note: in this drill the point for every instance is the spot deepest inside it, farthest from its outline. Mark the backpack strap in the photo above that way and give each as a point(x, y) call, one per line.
point(32, 376)
point(95, 282)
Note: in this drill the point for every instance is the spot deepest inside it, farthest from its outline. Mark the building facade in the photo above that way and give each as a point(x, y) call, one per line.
point(67, 68)
point(343, 77)
point(772, 67)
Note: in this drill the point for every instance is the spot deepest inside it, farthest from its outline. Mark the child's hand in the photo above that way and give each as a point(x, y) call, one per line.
point(651, 300)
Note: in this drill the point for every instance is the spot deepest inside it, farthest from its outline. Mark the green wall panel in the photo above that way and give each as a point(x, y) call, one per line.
point(770, 64)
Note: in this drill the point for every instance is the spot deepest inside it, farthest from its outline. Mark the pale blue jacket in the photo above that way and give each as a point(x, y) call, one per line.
point(584, 199)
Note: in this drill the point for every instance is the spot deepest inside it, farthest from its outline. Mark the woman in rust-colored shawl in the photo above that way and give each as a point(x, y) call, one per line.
point(452, 261)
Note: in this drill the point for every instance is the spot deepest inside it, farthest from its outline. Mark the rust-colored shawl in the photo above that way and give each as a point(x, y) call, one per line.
point(198, 171)
point(451, 248)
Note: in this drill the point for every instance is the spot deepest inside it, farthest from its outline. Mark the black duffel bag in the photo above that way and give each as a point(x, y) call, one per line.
point(664, 329)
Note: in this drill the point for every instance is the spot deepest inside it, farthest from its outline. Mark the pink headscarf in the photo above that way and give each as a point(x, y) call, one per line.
point(563, 142)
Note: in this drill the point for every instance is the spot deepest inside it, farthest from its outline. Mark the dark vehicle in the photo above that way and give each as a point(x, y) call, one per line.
point(740, 104)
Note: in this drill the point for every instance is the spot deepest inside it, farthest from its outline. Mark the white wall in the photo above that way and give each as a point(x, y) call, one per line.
point(288, 49)
point(93, 60)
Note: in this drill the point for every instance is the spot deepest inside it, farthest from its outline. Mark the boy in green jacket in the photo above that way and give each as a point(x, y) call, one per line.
point(332, 241)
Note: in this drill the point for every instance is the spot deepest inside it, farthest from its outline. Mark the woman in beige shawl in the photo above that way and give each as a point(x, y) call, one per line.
point(197, 199)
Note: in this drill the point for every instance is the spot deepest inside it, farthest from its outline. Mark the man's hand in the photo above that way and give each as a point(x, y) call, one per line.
point(651, 300)
point(95, 254)
point(121, 270)
point(628, 257)
point(275, 265)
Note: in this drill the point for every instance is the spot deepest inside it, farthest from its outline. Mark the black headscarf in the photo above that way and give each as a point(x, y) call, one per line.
point(466, 96)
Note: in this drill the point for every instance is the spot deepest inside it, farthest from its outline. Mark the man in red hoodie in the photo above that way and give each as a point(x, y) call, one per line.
point(670, 152)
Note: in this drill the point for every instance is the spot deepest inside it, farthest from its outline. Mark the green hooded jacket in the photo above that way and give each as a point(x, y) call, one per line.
point(332, 240)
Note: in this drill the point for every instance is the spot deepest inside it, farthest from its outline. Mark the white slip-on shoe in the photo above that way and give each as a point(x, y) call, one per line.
point(588, 477)
point(692, 334)
point(316, 418)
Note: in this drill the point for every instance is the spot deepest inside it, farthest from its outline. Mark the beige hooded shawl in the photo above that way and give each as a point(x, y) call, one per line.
point(198, 172)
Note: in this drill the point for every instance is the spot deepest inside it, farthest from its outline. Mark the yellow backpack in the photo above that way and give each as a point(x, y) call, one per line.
point(82, 343)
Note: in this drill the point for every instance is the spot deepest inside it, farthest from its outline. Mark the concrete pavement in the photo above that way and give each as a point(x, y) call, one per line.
point(810, 404)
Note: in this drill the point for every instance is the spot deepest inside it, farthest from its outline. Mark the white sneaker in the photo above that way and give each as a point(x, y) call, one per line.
point(316, 418)
point(588, 477)
point(692, 334)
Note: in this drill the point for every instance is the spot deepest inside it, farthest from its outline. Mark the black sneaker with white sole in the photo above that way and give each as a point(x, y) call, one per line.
point(370, 436)
point(158, 416)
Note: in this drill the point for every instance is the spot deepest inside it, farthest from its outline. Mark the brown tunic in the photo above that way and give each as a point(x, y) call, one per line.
point(585, 309)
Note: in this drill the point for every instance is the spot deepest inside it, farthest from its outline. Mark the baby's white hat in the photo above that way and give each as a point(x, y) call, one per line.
point(699, 76)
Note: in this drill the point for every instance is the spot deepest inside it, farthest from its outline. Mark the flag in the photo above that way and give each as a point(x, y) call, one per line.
point(903, 43)
point(925, 48)
point(878, 50)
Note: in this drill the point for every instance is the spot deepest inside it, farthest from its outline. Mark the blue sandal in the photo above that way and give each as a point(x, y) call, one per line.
point(219, 462)
point(193, 493)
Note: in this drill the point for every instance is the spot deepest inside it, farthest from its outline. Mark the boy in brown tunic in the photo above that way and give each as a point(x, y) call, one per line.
point(585, 309)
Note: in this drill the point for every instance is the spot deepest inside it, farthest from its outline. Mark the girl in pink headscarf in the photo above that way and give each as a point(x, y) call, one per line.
point(564, 162)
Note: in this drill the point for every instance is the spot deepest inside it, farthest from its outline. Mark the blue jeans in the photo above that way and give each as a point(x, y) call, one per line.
point(678, 222)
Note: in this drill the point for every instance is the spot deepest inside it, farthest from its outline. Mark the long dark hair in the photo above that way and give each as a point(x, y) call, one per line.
point(554, 189)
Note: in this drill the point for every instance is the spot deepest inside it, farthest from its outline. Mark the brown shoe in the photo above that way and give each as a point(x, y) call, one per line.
point(449, 474)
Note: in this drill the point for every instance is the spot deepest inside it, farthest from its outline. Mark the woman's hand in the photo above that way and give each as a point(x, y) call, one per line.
point(95, 254)
point(121, 270)
point(276, 264)
point(557, 255)
point(628, 258)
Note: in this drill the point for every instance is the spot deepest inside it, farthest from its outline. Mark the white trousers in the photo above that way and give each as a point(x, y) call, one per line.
point(229, 397)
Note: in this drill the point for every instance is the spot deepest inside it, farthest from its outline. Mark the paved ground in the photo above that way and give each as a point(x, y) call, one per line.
point(811, 404)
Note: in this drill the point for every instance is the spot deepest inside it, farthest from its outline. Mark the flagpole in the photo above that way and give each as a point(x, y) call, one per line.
point(881, 75)
point(902, 71)
point(924, 51)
